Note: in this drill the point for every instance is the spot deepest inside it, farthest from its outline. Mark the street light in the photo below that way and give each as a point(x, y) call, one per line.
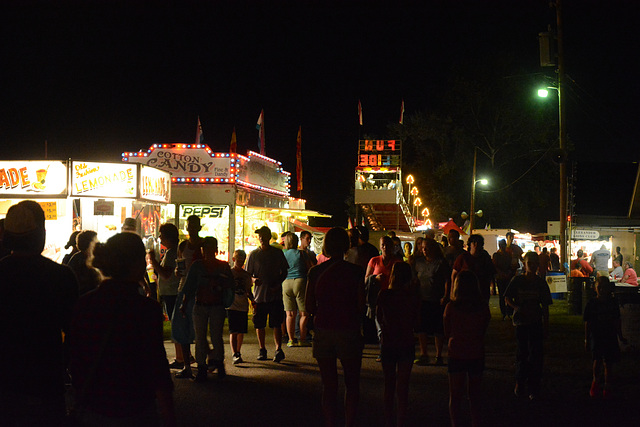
point(417, 203)
point(409, 181)
point(474, 181)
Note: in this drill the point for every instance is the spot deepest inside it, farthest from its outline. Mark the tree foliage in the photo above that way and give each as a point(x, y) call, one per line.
point(514, 134)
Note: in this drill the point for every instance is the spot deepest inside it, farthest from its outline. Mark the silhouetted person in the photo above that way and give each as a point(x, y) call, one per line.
point(71, 244)
point(39, 297)
point(88, 277)
point(118, 362)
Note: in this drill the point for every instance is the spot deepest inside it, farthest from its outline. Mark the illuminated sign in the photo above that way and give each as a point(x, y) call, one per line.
point(103, 179)
point(202, 211)
point(379, 153)
point(262, 173)
point(155, 184)
point(188, 163)
point(33, 178)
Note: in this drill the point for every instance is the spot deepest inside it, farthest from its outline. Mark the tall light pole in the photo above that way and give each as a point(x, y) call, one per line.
point(474, 181)
point(562, 142)
point(562, 135)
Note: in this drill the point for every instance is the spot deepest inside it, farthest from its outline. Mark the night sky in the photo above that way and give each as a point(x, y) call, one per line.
point(96, 78)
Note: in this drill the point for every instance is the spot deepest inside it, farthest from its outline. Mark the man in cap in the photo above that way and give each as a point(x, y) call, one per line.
point(39, 297)
point(268, 266)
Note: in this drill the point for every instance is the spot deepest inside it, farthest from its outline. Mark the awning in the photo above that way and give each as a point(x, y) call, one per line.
point(296, 212)
point(306, 227)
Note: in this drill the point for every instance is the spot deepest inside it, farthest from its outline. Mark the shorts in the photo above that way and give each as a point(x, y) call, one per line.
point(609, 352)
point(431, 318)
point(469, 366)
point(293, 292)
point(328, 344)
point(397, 354)
point(169, 303)
point(182, 330)
point(238, 321)
point(273, 309)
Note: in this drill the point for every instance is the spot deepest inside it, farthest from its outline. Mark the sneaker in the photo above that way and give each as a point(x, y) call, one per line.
point(595, 389)
point(304, 343)
point(279, 356)
point(237, 358)
point(439, 361)
point(185, 373)
point(533, 397)
point(176, 365)
point(421, 361)
point(211, 366)
point(293, 343)
point(263, 354)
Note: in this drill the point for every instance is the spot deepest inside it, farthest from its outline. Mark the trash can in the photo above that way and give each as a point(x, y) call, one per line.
point(574, 294)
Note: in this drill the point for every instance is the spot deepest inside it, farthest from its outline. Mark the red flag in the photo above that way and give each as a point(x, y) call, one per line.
point(299, 158)
point(233, 147)
point(260, 127)
point(360, 112)
point(402, 113)
point(199, 136)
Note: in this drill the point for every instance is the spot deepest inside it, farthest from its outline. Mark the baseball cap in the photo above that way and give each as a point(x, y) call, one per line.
point(264, 230)
point(23, 218)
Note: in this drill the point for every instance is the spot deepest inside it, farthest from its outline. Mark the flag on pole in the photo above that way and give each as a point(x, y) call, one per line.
point(199, 136)
point(402, 113)
point(260, 127)
point(233, 147)
point(360, 112)
point(299, 158)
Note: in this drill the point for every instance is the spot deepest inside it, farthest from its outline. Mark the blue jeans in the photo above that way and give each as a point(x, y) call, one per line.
point(529, 355)
point(213, 317)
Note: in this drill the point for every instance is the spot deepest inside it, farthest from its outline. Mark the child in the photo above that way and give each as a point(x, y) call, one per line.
point(602, 328)
point(466, 319)
point(397, 313)
point(238, 311)
point(529, 296)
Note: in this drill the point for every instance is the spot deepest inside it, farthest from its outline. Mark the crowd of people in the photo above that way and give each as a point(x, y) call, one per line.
point(433, 293)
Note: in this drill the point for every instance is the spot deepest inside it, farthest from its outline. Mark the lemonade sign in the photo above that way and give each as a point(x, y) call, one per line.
point(33, 178)
point(103, 179)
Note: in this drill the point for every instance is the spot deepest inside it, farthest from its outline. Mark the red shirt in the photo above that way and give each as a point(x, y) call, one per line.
point(465, 331)
point(380, 267)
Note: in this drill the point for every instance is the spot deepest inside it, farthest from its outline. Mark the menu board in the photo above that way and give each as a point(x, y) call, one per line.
point(31, 179)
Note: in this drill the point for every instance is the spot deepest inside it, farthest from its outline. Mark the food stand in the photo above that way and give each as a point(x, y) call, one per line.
point(77, 195)
point(232, 194)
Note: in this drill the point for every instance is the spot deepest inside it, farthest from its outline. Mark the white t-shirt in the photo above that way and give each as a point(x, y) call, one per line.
point(617, 273)
point(601, 259)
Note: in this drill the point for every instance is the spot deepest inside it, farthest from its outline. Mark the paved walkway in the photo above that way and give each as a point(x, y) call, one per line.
point(264, 393)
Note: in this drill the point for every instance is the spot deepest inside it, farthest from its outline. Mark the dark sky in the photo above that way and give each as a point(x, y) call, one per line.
point(96, 78)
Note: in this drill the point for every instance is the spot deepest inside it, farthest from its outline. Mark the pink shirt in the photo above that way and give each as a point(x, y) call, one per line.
point(633, 277)
point(465, 331)
point(379, 267)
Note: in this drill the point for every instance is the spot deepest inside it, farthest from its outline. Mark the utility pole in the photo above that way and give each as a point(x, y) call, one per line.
point(562, 140)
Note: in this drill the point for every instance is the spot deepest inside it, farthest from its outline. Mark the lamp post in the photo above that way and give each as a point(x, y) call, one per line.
point(562, 135)
point(474, 181)
point(417, 203)
point(409, 181)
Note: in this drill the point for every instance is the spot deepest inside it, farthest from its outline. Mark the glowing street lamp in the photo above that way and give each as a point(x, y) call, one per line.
point(409, 181)
point(417, 203)
point(474, 181)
